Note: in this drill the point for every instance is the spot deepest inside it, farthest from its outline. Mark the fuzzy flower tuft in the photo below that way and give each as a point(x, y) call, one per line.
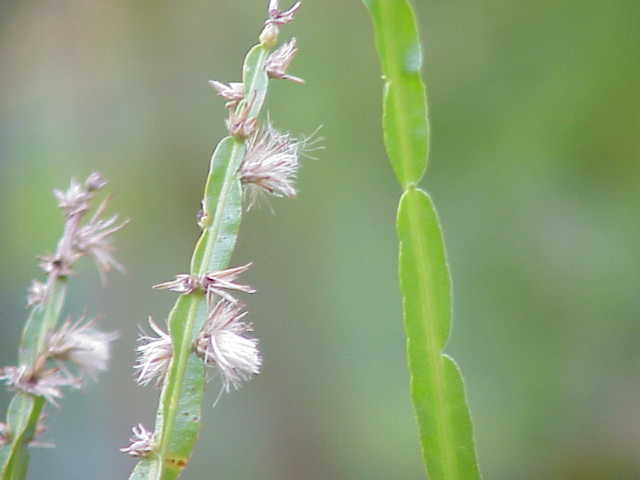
point(222, 343)
point(93, 238)
point(78, 240)
point(277, 17)
point(141, 442)
point(213, 283)
point(234, 92)
point(75, 199)
point(281, 17)
point(154, 356)
point(279, 61)
point(271, 164)
point(81, 344)
point(45, 383)
point(240, 123)
point(37, 293)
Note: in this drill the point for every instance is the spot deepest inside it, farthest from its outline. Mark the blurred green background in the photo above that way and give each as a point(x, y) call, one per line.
point(535, 112)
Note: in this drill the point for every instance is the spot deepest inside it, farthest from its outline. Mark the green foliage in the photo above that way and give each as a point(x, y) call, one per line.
point(437, 390)
point(179, 412)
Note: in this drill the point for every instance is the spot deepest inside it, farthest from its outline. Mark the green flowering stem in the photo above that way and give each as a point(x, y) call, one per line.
point(179, 412)
point(32, 379)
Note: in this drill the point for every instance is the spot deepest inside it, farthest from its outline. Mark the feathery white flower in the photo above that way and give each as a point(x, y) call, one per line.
point(46, 383)
point(81, 344)
point(154, 356)
point(222, 343)
point(73, 200)
point(216, 283)
point(141, 442)
point(279, 61)
point(94, 182)
point(276, 16)
point(78, 240)
point(37, 293)
point(234, 92)
point(213, 283)
point(240, 123)
point(92, 238)
point(270, 164)
point(76, 198)
point(183, 283)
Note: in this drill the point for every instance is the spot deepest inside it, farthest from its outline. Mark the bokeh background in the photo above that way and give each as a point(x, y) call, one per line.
point(535, 112)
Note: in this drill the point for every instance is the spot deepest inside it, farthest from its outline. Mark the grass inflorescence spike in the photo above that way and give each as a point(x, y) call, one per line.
point(207, 327)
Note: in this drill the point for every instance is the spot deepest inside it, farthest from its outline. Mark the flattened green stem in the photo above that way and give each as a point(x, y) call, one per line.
point(22, 417)
point(437, 390)
point(24, 409)
point(42, 319)
point(179, 412)
point(405, 121)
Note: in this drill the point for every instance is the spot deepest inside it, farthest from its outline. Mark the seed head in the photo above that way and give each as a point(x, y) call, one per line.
point(154, 356)
point(43, 383)
point(234, 92)
point(278, 62)
point(81, 344)
point(222, 343)
point(141, 442)
point(213, 283)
